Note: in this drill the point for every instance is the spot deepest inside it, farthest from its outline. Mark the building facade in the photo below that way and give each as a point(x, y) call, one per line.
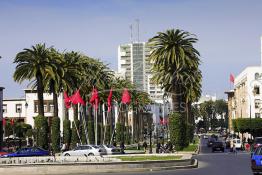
point(1, 116)
point(134, 65)
point(245, 101)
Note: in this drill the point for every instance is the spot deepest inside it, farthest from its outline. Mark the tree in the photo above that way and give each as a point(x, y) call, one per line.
point(55, 134)
point(177, 129)
point(41, 127)
point(33, 64)
point(173, 56)
point(67, 133)
point(75, 133)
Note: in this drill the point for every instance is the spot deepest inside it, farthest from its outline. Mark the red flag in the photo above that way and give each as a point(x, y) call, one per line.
point(67, 100)
point(109, 100)
point(12, 122)
point(94, 98)
point(126, 97)
point(4, 122)
point(232, 78)
point(76, 98)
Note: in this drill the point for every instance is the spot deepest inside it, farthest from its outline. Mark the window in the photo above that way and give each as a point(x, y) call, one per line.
point(257, 115)
point(257, 76)
point(18, 108)
point(4, 108)
point(257, 103)
point(256, 90)
point(48, 106)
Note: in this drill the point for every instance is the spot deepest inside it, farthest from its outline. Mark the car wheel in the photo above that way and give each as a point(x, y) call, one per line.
point(67, 154)
point(90, 154)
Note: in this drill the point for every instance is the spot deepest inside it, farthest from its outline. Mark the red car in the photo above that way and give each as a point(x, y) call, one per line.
point(3, 152)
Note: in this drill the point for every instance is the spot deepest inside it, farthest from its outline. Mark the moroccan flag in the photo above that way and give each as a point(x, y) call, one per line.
point(12, 122)
point(76, 98)
point(232, 78)
point(67, 100)
point(109, 100)
point(4, 122)
point(126, 97)
point(94, 100)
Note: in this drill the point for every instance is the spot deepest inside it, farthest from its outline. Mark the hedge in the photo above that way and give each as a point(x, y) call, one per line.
point(41, 127)
point(55, 134)
point(67, 133)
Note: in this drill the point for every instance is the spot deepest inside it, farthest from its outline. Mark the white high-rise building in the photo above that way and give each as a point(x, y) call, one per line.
point(134, 65)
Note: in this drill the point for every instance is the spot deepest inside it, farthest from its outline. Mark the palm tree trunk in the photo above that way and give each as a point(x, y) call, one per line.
point(55, 104)
point(40, 91)
point(177, 99)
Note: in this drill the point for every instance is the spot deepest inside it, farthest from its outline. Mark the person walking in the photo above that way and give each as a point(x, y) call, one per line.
point(145, 146)
point(234, 149)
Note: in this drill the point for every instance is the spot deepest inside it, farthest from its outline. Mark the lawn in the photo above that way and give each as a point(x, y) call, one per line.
point(144, 158)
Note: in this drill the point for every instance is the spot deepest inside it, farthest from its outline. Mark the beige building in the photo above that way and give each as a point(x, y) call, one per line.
point(245, 100)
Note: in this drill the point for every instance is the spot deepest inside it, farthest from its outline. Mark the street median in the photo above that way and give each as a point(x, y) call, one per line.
point(97, 167)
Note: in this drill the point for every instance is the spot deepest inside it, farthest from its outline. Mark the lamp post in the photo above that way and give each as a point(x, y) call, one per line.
point(151, 128)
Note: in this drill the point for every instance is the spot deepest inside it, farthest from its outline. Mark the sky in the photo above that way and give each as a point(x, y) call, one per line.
point(228, 32)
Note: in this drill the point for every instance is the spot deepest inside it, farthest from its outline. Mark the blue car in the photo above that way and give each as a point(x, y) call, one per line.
point(27, 152)
point(256, 160)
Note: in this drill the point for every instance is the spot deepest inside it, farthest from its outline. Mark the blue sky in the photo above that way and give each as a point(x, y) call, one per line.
point(228, 31)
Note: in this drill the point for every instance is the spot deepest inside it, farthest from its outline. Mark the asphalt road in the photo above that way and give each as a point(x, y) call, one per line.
point(210, 164)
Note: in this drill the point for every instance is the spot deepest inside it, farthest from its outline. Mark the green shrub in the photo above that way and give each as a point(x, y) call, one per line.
point(177, 129)
point(91, 132)
point(55, 134)
point(41, 126)
point(119, 133)
point(75, 132)
point(67, 132)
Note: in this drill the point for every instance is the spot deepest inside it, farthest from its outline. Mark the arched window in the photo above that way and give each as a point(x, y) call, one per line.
point(257, 76)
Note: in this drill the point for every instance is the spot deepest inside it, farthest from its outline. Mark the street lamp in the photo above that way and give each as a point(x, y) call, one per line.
point(151, 128)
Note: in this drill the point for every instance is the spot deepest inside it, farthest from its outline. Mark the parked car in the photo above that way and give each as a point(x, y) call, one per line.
point(110, 149)
point(3, 152)
point(86, 150)
point(257, 142)
point(210, 142)
point(28, 152)
point(218, 146)
point(256, 163)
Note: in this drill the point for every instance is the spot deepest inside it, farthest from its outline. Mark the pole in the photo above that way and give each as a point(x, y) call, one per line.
point(250, 118)
point(96, 126)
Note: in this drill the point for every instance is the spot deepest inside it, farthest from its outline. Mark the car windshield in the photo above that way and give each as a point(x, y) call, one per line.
point(110, 146)
point(97, 147)
point(258, 140)
point(218, 143)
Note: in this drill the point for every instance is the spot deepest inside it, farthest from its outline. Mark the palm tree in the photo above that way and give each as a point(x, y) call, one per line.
point(33, 64)
point(172, 56)
point(53, 80)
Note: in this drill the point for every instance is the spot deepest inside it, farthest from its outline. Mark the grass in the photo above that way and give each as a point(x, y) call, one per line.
point(145, 158)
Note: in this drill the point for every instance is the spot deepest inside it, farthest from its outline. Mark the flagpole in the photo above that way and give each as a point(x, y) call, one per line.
point(96, 125)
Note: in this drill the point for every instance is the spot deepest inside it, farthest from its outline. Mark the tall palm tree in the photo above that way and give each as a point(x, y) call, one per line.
point(53, 80)
point(33, 64)
point(172, 55)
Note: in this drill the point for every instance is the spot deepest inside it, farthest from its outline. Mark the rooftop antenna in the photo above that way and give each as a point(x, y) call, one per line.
point(137, 21)
point(131, 32)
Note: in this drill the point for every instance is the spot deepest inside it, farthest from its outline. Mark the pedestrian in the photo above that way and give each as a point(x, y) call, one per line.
point(145, 146)
point(122, 147)
point(158, 146)
point(234, 149)
point(63, 149)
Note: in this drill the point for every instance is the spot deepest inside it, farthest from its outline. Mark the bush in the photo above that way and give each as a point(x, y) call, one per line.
point(41, 126)
point(190, 133)
point(55, 134)
point(67, 132)
point(83, 133)
point(119, 132)
point(177, 129)
point(108, 133)
point(75, 132)
point(91, 132)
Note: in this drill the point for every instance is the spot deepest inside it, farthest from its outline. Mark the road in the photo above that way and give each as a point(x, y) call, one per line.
point(210, 164)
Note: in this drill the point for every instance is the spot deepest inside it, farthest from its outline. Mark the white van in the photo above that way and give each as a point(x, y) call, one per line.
point(237, 142)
